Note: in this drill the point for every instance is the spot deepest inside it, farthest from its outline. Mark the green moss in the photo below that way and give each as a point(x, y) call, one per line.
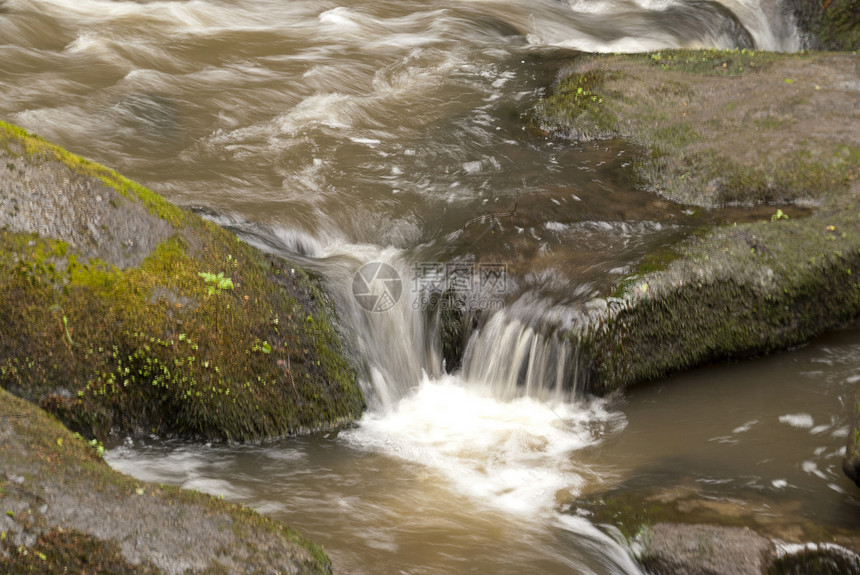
point(713, 62)
point(771, 123)
point(794, 175)
point(69, 551)
point(689, 138)
point(37, 148)
point(674, 136)
point(736, 292)
point(578, 100)
point(655, 261)
point(830, 24)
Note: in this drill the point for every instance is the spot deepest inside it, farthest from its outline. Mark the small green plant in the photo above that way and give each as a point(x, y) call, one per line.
point(65, 320)
point(98, 446)
point(218, 282)
point(779, 215)
point(264, 347)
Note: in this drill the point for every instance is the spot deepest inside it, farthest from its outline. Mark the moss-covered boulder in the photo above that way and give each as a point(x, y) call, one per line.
point(63, 510)
point(123, 312)
point(732, 293)
point(717, 128)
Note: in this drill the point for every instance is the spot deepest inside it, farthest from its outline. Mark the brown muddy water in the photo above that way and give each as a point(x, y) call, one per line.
point(348, 134)
point(452, 482)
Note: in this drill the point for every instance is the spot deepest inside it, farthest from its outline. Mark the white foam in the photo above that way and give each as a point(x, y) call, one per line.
point(332, 110)
point(800, 420)
point(515, 456)
point(745, 427)
point(341, 18)
point(367, 141)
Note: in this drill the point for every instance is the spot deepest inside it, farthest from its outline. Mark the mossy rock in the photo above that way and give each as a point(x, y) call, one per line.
point(718, 127)
point(111, 324)
point(732, 293)
point(65, 511)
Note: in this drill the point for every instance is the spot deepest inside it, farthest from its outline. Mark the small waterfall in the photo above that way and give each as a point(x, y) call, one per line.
point(523, 350)
point(518, 349)
point(396, 343)
point(394, 340)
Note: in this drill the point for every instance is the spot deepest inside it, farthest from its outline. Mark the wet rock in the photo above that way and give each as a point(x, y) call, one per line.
point(695, 519)
point(66, 511)
point(719, 127)
point(123, 313)
point(42, 196)
point(669, 549)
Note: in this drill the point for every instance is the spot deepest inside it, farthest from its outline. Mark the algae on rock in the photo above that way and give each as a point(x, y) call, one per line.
point(109, 325)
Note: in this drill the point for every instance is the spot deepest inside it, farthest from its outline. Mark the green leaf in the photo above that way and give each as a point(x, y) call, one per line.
point(779, 215)
point(266, 347)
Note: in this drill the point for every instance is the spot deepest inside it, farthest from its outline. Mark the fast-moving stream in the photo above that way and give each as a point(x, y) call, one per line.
point(350, 135)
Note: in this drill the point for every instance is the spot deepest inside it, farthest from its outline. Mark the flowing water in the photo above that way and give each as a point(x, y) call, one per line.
point(342, 135)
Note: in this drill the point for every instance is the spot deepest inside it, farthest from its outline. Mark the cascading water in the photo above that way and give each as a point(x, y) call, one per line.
point(517, 352)
point(389, 133)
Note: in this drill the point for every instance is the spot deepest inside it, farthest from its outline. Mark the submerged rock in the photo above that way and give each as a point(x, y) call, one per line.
point(124, 313)
point(669, 548)
point(684, 526)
